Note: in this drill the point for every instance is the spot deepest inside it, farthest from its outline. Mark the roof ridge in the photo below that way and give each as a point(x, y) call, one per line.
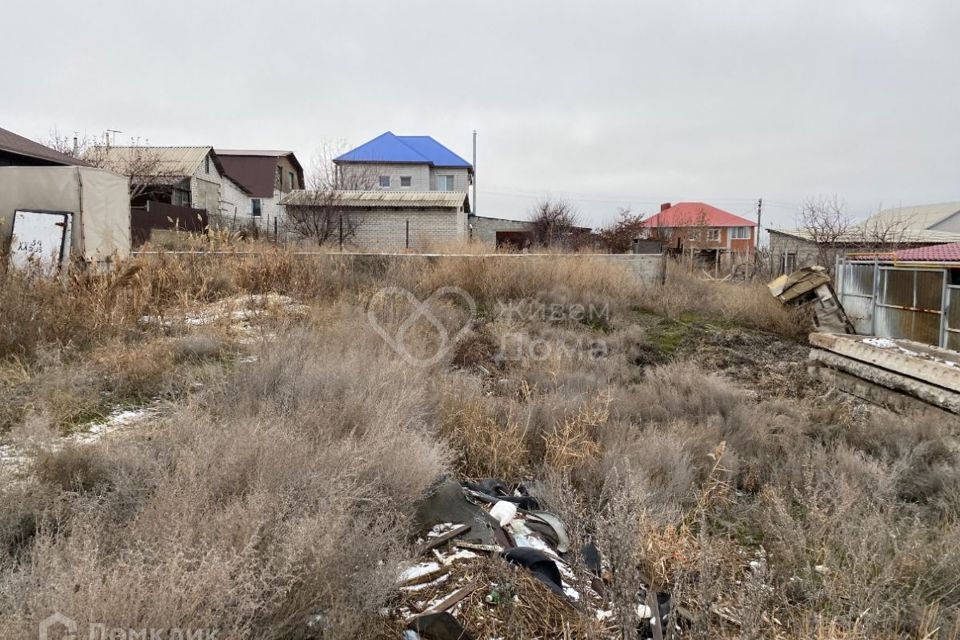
point(404, 143)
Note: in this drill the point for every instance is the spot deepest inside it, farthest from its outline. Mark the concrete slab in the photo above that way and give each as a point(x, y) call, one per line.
point(930, 365)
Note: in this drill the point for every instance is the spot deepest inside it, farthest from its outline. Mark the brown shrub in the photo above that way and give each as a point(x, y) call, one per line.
point(245, 516)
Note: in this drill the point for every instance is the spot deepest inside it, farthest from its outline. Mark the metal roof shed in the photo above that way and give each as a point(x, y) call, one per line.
point(93, 204)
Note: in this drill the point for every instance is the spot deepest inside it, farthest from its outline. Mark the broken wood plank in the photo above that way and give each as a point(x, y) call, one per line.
point(474, 546)
point(435, 542)
point(656, 622)
point(426, 577)
point(450, 601)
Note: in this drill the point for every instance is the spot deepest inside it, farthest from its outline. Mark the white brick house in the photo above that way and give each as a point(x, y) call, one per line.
point(405, 163)
point(253, 185)
point(396, 193)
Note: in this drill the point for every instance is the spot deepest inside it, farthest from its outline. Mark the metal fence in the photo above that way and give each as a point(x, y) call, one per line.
point(913, 302)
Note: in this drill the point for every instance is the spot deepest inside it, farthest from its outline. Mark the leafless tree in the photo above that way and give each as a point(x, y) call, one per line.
point(317, 213)
point(825, 222)
point(619, 236)
point(554, 222)
point(149, 174)
point(880, 233)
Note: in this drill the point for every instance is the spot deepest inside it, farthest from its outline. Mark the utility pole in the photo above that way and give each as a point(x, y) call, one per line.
point(474, 172)
point(759, 215)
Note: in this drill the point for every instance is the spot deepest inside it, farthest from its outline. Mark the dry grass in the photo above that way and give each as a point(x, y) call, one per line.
point(282, 489)
point(745, 304)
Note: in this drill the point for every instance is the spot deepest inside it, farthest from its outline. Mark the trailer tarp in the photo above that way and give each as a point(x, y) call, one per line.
point(99, 201)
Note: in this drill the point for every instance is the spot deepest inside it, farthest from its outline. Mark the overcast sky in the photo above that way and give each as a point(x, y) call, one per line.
point(608, 104)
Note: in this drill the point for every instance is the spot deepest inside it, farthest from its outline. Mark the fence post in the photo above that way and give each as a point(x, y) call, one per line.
point(408, 233)
point(873, 300)
point(944, 309)
point(340, 223)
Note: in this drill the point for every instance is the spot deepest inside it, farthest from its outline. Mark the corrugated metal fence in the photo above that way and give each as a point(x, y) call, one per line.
point(913, 302)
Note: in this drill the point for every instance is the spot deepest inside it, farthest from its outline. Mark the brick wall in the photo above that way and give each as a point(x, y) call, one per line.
point(365, 173)
point(205, 189)
point(461, 179)
point(786, 250)
point(484, 230)
point(386, 230)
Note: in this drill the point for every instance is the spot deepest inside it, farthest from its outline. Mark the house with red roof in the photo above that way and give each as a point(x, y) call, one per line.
point(702, 229)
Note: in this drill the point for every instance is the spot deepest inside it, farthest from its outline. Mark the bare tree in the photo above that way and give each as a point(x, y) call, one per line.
point(884, 232)
point(825, 223)
point(149, 175)
point(554, 222)
point(318, 213)
point(619, 236)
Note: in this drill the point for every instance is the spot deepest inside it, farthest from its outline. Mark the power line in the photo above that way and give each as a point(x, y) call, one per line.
point(627, 199)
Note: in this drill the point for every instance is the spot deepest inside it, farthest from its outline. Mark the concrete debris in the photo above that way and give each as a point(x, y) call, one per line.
point(899, 375)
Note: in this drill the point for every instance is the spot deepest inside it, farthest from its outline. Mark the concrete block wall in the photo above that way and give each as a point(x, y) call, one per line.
point(386, 230)
point(461, 178)
point(649, 269)
point(360, 174)
point(484, 230)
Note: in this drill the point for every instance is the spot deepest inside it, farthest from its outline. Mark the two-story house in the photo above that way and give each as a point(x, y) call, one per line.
point(703, 230)
point(255, 182)
point(393, 193)
point(405, 163)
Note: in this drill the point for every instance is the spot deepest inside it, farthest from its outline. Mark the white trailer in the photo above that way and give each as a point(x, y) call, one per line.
point(50, 216)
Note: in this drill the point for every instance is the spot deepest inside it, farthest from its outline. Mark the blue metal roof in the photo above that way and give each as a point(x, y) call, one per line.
point(404, 149)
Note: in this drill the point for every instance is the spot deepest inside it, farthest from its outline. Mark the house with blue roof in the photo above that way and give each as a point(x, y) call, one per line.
point(405, 163)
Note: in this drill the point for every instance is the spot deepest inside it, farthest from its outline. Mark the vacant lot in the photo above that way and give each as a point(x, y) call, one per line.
point(298, 414)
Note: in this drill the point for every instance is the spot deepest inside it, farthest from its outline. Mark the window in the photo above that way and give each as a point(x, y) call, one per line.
point(206, 164)
point(695, 235)
point(789, 262)
point(384, 182)
point(444, 183)
point(181, 197)
point(406, 181)
point(293, 183)
point(713, 235)
point(740, 233)
point(255, 207)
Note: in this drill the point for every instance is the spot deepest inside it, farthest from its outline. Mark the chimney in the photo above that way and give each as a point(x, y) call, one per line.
point(664, 206)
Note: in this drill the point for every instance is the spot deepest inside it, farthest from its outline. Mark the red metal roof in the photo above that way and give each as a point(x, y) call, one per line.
point(696, 214)
point(936, 253)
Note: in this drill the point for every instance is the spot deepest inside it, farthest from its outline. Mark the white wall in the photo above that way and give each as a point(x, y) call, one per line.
point(205, 188)
point(236, 207)
point(461, 179)
point(369, 173)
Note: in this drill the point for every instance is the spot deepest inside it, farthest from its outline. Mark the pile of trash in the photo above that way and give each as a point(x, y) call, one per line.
point(493, 564)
